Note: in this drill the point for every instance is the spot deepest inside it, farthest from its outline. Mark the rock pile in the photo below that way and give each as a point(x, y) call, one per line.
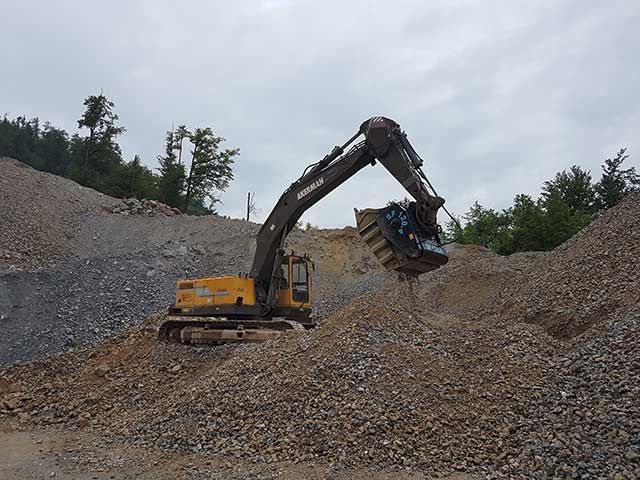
point(588, 424)
point(506, 367)
point(150, 208)
point(10, 395)
point(585, 281)
point(77, 275)
point(40, 215)
point(376, 385)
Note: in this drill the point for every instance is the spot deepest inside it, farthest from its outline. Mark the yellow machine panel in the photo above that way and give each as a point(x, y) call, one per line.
point(215, 291)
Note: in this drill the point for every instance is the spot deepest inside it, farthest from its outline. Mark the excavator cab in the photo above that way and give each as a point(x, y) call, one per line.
point(294, 288)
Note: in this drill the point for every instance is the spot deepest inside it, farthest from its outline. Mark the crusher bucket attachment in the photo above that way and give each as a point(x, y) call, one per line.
point(392, 236)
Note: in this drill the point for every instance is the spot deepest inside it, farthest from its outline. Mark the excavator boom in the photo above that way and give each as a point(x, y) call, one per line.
point(385, 142)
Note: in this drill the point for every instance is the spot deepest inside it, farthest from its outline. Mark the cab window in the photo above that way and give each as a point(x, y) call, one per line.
point(299, 281)
point(284, 278)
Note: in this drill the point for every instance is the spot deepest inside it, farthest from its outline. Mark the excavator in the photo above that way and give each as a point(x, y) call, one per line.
point(276, 295)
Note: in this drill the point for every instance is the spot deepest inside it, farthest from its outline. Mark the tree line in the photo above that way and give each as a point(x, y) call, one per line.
point(194, 167)
point(567, 203)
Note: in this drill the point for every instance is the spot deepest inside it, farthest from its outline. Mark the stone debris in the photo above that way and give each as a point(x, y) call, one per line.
point(149, 208)
point(84, 422)
point(108, 272)
point(525, 366)
point(102, 370)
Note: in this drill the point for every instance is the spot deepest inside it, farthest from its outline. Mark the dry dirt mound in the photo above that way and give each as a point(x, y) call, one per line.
point(40, 215)
point(473, 283)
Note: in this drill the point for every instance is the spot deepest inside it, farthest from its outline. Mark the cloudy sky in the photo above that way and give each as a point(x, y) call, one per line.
point(496, 96)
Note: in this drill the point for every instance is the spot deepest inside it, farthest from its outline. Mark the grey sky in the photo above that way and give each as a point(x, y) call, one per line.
point(495, 96)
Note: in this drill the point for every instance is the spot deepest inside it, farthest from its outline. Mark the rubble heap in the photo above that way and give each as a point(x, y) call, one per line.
point(525, 366)
point(149, 208)
point(396, 379)
point(41, 214)
point(592, 277)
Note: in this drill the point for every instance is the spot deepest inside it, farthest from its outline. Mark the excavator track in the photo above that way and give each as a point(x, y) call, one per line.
point(218, 331)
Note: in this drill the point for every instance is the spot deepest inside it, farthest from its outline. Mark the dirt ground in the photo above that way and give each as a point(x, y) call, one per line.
point(53, 453)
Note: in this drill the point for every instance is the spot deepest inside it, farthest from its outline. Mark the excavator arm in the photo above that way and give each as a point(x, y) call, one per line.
point(385, 142)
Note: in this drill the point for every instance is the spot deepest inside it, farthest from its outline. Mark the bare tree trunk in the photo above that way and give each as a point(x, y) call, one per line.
point(187, 197)
point(86, 151)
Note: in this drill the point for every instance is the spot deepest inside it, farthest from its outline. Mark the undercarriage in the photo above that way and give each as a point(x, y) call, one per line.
point(218, 331)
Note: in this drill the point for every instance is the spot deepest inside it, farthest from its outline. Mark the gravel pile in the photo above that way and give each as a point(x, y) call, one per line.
point(588, 424)
point(473, 284)
point(586, 280)
point(393, 380)
point(150, 208)
point(525, 366)
point(40, 215)
point(375, 385)
point(84, 301)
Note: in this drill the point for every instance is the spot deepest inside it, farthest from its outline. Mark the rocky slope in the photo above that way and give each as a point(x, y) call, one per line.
point(75, 270)
point(525, 366)
point(586, 280)
point(41, 215)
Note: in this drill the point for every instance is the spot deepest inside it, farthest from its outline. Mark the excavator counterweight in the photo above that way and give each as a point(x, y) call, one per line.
point(276, 295)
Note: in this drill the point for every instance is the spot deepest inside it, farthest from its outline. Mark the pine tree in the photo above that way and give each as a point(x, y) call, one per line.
point(54, 149)
point(171, 179)
point(527, 221)
point(574, 187)
point(484, 227)
point(615, 182)
point(559, 222)
point(100, 152)
point(180, 135)
point(140, 179)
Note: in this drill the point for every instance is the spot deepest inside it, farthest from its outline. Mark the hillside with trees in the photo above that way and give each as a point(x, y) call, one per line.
point(568, 202)
point(194, 168)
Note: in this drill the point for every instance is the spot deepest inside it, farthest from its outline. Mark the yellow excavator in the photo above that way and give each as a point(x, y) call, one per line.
point(276, 295)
